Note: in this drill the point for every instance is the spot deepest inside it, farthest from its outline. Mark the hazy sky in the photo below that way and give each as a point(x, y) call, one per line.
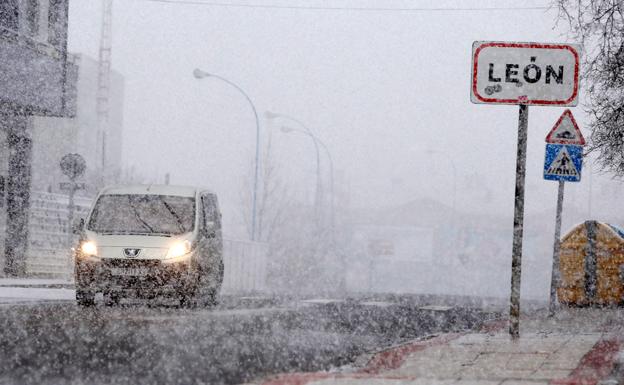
point(387, 91)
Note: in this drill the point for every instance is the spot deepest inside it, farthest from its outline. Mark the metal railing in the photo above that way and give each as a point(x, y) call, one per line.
point(48, 252)
point(245, 266)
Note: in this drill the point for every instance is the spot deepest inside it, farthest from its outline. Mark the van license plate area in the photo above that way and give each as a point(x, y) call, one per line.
point(129, 271)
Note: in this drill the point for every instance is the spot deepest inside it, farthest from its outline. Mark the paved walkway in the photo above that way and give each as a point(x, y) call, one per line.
point(576, 347)
point(36, 282)
point(22, 290)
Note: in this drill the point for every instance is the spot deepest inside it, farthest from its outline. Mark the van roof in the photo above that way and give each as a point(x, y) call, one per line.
point(152, 189)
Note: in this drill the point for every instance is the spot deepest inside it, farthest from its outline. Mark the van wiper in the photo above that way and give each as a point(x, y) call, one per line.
point(133, 233)
point(173, 213)
point(138, 217)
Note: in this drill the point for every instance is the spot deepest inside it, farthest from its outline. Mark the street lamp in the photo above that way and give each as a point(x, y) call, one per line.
point(306, 131)
point(431, 152)
point(199, 74)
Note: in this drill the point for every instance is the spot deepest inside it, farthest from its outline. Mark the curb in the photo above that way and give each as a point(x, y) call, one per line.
point(617, 374)
point(41, 286)
point(394, 357)
point(390, 358)
point(603, 364)
point(386, 359)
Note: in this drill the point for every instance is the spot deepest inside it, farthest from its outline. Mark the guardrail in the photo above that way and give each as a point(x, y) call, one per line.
point(245, 266)
point(48, 250)
point(48, 255)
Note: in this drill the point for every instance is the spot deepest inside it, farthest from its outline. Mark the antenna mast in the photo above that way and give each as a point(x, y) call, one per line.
point(103, 89)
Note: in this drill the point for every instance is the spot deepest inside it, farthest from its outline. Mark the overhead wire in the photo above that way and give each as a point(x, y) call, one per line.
point(346, 8)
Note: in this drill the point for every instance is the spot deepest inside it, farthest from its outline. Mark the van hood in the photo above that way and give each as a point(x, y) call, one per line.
point(145, 246)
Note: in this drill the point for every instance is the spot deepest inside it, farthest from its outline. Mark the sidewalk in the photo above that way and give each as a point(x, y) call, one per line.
point(21, 290)
point(576, 347)
point(51, 283)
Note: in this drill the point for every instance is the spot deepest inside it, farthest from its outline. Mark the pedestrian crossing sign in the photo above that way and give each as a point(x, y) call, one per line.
point(563, 162)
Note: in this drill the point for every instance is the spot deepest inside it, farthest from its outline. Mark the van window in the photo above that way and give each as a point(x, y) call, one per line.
point(9, 14)
point(211, 213)
point(143, 214)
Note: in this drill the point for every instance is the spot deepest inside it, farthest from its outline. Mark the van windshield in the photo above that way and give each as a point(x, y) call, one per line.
point(143, 214)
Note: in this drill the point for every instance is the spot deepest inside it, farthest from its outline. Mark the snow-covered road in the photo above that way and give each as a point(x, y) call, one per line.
point(47, 339)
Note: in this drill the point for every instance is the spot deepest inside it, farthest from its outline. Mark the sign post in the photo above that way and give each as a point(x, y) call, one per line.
point(518, 229)
point(72, 165)
point(563, 162)
point(524, 74)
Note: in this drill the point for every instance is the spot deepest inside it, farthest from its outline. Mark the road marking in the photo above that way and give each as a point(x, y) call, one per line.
point(436, 308)
point(377, 303)
point(322, 301)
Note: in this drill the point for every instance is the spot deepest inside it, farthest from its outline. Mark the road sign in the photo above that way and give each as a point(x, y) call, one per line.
point(563, 162)
point(525, 73)
point(73, 165)
point(566, 131)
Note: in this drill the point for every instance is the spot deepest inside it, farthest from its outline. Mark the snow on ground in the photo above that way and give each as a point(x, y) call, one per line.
point(28, 294)
point(21, 282)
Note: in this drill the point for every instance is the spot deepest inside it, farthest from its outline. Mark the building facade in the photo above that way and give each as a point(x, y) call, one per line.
point(55, 137)
point(37, 78)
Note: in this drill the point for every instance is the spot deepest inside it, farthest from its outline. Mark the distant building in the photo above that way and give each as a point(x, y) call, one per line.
point(37, 78)
point(53, 138)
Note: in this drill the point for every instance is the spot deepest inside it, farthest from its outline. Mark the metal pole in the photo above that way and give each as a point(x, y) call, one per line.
point(70, 223)
point(255, 190)
point(589, 193)
point(319, 189)
point(64, 60)
point(454, 203)
point(318, 193)
point(516, 258)
point(331, 186)
point(200, 74)
point(555, 275)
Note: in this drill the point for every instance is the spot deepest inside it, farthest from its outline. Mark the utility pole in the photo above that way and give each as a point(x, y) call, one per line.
point(103, 90)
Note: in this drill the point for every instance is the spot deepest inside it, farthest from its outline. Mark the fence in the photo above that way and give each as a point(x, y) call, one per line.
point(48, 255)
point(48, 250)
point(245, 266)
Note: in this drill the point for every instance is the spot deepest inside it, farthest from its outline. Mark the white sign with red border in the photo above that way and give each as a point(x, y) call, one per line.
point(525, 73)
point(566, 131)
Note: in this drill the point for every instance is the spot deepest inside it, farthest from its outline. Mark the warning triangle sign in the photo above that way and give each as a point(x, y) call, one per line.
point(566, 131)
point(562, 165)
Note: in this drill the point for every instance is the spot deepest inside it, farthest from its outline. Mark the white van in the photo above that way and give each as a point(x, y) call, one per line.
point(151, 240)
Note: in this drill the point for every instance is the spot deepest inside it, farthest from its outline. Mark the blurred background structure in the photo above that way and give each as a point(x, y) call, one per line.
point(38, 79)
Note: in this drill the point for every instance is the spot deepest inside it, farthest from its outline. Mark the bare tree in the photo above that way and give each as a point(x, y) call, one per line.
point(599, 26)
point(296, 246)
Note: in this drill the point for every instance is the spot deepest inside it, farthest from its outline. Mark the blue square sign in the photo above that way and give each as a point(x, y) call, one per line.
point(563, 162)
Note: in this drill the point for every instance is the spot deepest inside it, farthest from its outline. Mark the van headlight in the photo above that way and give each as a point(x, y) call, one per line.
point(179, 249)
point(88, 248)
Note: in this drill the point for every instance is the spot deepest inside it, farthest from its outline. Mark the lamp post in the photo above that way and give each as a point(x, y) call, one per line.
point(431, 152)
point(306, 131)
point(199, 74)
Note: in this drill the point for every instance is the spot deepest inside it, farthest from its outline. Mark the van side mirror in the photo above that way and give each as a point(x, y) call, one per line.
point(78, 225)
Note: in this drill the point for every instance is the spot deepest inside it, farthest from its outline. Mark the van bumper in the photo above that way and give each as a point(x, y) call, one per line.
point(137, 278)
